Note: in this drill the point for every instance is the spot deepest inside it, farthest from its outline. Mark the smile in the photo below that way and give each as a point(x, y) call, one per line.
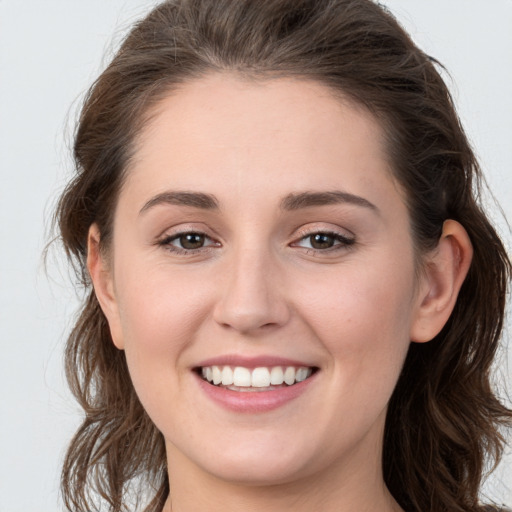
point(239, 378)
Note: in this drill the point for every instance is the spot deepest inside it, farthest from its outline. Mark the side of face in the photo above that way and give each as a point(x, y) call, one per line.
point(259, 224)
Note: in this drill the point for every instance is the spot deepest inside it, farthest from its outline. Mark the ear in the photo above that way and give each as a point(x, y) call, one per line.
point(101, 275)
point(445, 271)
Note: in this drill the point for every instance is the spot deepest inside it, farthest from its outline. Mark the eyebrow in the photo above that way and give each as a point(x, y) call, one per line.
point(291, 202)
point(192, 199)
point(308, 199)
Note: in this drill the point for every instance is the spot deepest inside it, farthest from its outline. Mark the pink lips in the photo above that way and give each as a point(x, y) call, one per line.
point(253, 401)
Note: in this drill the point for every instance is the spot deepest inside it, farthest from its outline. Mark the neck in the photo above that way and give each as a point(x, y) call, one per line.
point(280, 500)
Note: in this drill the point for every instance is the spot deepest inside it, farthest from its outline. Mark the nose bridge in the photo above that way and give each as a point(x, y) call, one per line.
point(251, 295)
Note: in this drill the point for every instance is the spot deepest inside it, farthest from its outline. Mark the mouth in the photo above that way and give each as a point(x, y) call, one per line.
point(263, 378)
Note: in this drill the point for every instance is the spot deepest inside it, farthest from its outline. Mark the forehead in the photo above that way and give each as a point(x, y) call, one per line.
point(224, 107)
point(284, 135)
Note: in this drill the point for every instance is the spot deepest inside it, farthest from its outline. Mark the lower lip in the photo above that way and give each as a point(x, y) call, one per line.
point(254, 401)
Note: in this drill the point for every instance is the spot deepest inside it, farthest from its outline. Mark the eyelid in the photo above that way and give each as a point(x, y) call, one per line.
point(187, 227)
point(309, 230)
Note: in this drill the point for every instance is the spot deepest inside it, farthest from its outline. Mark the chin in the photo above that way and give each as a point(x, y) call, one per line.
point(262, 472)
point(267, 460)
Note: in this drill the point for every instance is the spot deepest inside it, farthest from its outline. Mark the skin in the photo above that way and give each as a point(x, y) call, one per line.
point(259, 287)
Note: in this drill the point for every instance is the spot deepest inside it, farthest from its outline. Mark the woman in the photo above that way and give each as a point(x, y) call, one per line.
point(295, 298)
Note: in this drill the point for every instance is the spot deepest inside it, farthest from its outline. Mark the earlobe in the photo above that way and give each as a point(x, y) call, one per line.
point(445, 271)
point(102, 280)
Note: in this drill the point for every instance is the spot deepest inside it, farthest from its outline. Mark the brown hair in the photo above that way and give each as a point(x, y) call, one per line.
point(444, 420)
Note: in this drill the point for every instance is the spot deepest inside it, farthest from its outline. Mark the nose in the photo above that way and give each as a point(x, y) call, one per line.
point(252, 297)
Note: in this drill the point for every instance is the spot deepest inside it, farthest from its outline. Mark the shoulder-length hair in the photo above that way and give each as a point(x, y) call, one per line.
point(444, 419)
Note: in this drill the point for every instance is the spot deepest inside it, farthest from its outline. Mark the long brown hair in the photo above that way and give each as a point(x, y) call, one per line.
point(444, 422)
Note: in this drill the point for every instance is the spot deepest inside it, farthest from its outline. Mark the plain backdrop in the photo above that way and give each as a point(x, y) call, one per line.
point(50, 51)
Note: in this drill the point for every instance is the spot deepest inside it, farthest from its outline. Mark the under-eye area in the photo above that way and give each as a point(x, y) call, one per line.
point(239, 378)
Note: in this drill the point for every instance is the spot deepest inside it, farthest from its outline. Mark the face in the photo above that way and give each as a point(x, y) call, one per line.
point(261, 243)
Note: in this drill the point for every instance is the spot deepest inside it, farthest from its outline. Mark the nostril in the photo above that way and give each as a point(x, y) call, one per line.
point(251, 317)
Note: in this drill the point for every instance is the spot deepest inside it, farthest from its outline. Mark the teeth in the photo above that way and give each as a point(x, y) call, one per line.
point(261, 377)
point(289, 375)
point(242, 377)
point(217, 375)
point(227, 376)
point(301, 374)
point(276, 376)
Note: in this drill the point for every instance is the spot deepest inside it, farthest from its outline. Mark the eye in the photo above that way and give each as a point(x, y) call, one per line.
point(189, 241)
point(324, 240)
point(321, 240)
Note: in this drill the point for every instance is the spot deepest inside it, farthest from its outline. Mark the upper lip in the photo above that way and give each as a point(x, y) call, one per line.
point(252, 362)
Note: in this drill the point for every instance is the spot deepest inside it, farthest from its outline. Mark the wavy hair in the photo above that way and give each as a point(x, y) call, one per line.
point(444, 423)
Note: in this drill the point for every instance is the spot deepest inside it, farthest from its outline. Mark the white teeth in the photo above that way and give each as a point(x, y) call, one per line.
point(261, 377)
point(289, 375)
point(217, 375)
point(227, 376)
point(242, 377)
point(276, 376)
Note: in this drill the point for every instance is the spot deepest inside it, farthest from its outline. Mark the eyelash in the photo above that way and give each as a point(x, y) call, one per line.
point(166, 242)
point(343, 242)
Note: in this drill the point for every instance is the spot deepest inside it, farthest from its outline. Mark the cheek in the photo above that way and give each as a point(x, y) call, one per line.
point(160, 314)
point(360, 300)
point(159, 308)
point(363, 318)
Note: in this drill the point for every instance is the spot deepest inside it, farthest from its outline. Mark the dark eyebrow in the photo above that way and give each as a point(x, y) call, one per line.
point(193, 199)
point(308, 199)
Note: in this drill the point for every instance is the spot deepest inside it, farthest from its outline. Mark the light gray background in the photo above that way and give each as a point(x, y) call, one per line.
point(50, 51)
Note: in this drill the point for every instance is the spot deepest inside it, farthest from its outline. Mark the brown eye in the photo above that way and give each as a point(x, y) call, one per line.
point(191, 240)
point(187, 242)
point(322, 240)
